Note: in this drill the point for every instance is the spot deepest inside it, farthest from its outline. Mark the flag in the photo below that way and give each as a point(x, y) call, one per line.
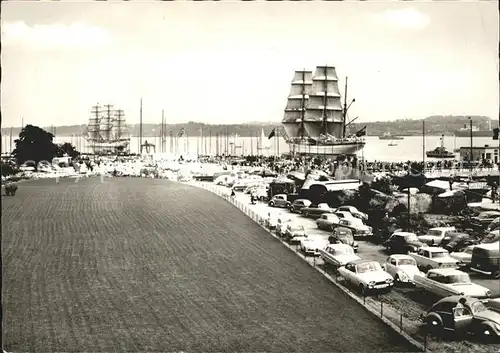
point(272, 134)
point(181, 133)
point(361, 132)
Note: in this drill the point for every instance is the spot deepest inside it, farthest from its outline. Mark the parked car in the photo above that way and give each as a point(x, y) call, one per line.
point(430, 257)
point(494, 225)
point(342, 235)
point(299, 204)
point(464, 256)
point(359, 230)
point(491, 237)
point(463, 315)
point(314, 211)
point(402, 243)
point(354, 211)
point(444, 282)
point(346, 215)
point(366, 275)
point(338, 255)
point(434, 236)
point(327, 221)
point(279, 200)
point(484, 219)
point(312, 247)
point(457, 241)
point(294, 233)
point(281, 225)
point(402, 268)
point(486, 259)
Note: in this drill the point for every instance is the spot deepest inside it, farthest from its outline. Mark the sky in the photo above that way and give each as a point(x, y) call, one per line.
point(232, 62)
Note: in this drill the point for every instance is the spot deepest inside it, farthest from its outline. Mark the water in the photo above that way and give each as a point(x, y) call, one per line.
point(408, 149)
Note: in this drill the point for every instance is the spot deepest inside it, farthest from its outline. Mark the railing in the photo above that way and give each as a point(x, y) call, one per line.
point(396, 319)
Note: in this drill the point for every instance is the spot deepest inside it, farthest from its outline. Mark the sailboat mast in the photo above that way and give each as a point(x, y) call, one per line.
point(325, 103)
point(344, 112)
point(303, 104)
point(140, 128)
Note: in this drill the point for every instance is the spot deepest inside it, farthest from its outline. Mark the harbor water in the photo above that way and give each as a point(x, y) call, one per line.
point(410, 148)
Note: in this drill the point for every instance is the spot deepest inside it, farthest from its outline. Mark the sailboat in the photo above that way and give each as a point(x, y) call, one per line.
point(392, 143)
point(315, 118)
point(262, 143)
point(107, 131)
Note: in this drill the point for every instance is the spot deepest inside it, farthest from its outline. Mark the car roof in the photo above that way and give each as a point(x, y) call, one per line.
point(455, 299)
point(361, 261)
point(403, 233)
point(280, 195)
point(446, 271)
point(443, 228)
point(401, 256)
point(434, 248)
point(340, 245)
point(301, 200)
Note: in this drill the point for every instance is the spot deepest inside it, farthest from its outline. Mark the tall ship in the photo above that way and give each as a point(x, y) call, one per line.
point(483, 129)
point(389, 136)
point(315, 118)
point(107, 131)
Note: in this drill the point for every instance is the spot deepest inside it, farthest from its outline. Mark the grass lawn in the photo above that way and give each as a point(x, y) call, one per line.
point(152, 265)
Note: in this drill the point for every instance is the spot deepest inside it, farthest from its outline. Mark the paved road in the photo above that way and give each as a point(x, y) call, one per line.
point(152, 265)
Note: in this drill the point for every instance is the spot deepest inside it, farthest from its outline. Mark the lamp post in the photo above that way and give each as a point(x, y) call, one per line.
point(471, 158)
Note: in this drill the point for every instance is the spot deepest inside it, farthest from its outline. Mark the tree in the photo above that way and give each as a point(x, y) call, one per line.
point(34, 144)
point(68, 149)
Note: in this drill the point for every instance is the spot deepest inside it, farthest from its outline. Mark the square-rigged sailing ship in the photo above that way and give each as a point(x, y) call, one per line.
point(315, 119)
point(107, 131)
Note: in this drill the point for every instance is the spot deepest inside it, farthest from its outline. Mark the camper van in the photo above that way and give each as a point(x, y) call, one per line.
point(486, 259)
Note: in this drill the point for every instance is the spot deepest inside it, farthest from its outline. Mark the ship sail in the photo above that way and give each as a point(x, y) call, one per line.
point(295, 110)
point(262, 143)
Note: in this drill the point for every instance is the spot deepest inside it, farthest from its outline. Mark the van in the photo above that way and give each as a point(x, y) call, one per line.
point(486, 259)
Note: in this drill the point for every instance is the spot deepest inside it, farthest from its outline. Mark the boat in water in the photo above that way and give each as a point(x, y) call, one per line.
point(440, 151)
point(392, 143)
point(389, 136)
point(315, 119)
point(107, 131)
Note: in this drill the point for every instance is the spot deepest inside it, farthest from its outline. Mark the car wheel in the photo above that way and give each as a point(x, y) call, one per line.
point(291, 209)
point(306, 214)
point(396, 278)
point(486, 332)
point(362, 290)
point(287, 205)
point(261, 198)
point(271, 204)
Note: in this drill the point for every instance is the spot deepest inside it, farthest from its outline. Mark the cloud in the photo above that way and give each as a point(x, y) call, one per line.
point(404, 18)
point(76, 35)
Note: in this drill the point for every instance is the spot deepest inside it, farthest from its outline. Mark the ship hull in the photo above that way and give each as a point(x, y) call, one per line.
point(466, 133)
point(441, 156)
point(346, 148)
point(391, 138)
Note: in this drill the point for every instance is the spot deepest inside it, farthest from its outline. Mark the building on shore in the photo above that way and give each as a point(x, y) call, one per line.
point(480, 153)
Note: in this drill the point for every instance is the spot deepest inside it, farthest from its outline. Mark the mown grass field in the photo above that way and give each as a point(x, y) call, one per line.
point(152, 265)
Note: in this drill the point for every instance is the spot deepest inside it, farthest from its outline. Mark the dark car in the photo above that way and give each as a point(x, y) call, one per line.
point(299, 204)
point(463, 315)
point(343, 236)
point(402, 243)
point(486, 259)
point(455, 242)
point(484, 219)
point(315, 211)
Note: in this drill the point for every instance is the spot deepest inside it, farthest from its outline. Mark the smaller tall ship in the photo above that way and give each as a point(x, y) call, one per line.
point(107, 131)
point(315, 120)
point(389, 136)
point(440, 151)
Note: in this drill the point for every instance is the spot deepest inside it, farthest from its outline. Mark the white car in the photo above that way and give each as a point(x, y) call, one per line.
point(435, 235)
point(338, 255)
point(464, 256)
point(366, 275)
point(281, 225)
point(310, 246)
point(402, 267)
point(444, 282)
point(295, 233)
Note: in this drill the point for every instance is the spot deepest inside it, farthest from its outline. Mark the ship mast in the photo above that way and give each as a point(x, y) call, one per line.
point(303, 104)
point(325, 129)
point(344, 111)
point(119, 116)
point(108, 122)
